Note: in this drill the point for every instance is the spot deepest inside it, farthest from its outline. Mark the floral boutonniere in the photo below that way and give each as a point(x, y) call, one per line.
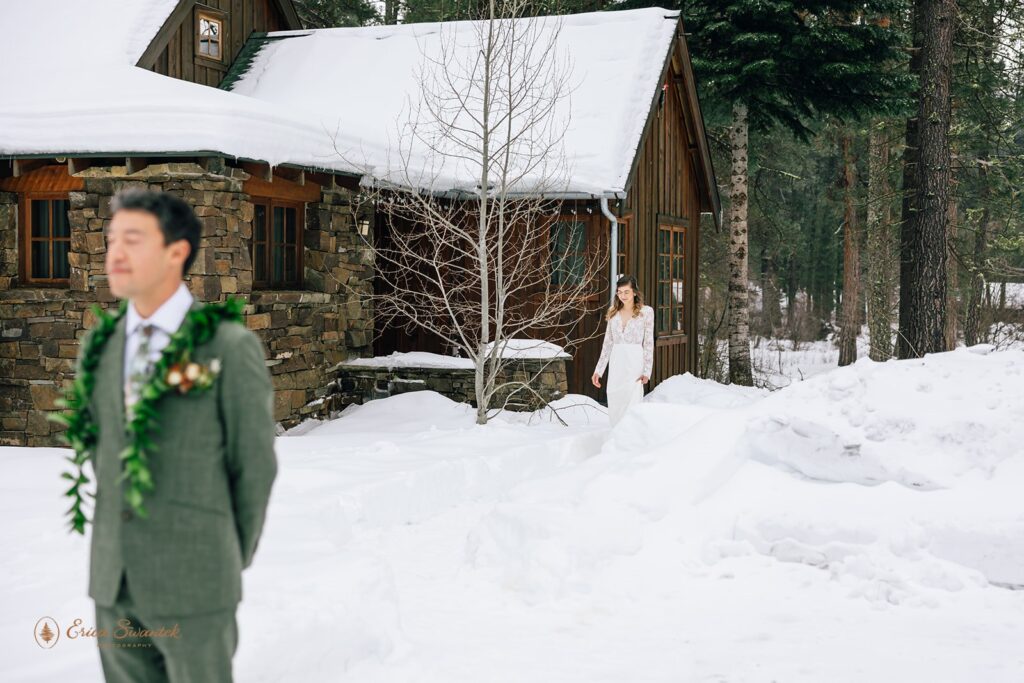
point(185, 377)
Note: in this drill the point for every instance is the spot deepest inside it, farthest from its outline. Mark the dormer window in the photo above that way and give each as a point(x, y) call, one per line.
point(210, 35)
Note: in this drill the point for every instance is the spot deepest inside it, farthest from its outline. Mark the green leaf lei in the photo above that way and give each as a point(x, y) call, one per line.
point(81, 430)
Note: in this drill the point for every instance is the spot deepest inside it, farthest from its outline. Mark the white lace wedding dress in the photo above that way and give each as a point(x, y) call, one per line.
point(628, 352)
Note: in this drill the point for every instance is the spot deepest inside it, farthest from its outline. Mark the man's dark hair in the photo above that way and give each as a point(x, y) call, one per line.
point(177, 220)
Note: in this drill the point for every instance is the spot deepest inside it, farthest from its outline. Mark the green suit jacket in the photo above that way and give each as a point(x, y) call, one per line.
point(213, 469)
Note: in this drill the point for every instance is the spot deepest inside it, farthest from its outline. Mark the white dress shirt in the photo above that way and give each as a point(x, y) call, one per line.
point(166, 321)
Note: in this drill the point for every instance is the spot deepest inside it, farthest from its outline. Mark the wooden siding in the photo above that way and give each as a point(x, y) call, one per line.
point(241, 18)
point(390, 338)
point(49, 178)
point(664, 190)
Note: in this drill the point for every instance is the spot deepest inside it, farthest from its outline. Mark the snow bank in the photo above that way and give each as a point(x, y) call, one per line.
point(899, 480)
point(862, 525)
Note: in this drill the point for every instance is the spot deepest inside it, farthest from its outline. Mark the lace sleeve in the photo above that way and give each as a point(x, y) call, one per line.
point(606, 349)
point(648, 341)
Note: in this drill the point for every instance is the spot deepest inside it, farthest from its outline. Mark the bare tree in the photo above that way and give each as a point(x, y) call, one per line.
point(474, 246)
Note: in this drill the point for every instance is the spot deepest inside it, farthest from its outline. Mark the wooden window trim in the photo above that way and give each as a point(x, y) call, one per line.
point(625, 226)
point(280, 189)
point(25, 240)
point(269, 204)
point(672, 226)
point(221, 18)
point(666, 219)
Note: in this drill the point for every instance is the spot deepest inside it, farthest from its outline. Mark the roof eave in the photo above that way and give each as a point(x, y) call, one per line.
point(164, 35)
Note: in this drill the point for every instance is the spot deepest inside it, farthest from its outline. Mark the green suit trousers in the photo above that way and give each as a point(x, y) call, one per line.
point(185, 649)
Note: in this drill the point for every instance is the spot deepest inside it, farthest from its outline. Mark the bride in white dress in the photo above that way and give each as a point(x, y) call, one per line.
point(628, 349)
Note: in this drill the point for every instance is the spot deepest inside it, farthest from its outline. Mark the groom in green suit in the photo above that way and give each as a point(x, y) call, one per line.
point(171, 580)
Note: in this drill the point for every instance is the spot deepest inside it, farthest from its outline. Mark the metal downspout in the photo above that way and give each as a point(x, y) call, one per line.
point(614, 245)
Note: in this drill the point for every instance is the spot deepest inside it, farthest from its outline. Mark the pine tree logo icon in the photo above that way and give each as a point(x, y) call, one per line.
point(47, 632)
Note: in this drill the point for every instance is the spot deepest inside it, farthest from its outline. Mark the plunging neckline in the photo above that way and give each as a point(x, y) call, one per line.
point(622, 327)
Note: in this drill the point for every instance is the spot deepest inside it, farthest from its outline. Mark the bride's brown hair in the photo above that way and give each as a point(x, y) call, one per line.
point(638, 297)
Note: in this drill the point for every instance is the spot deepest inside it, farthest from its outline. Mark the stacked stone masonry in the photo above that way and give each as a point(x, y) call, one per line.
point(546, 377)
point(306, 333)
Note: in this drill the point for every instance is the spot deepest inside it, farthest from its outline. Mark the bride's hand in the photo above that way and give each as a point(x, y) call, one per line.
point(596, 380)
point(644, 378)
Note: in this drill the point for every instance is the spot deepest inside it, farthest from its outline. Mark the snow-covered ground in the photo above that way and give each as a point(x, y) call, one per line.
point(780, 362)
point(863, 525)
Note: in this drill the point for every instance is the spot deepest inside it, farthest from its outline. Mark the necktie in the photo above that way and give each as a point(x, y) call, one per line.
point(139, 370)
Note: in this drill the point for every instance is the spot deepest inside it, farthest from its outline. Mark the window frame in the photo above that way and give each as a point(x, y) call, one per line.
point(221, 19)
point(622, 248)
point(269, 204)
point(580, 254)
point(26, 239)
point(674, 310)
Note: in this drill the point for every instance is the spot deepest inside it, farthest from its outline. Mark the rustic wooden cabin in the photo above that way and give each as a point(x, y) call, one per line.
point(636, 97)
point(671, 183)
point(230, 105)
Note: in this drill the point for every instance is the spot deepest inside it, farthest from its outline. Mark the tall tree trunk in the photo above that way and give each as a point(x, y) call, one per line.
point(391, 12)
point(851, 257)
point(791, 292)
point(975, 293)
point(771, 310)
point(740, 370)
point(880, 246)
point(952, 271)
point(923, 243)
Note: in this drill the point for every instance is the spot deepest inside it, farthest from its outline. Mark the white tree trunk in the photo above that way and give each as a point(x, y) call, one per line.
point(740, 371)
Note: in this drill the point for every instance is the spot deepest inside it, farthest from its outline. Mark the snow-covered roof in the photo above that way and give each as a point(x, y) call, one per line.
point(360, 81)
point(83, 94)
point(80, 92)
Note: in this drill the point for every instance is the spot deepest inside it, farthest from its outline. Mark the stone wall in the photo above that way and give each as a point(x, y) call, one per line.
point(8, 239)
point(306, 332)
point(357, 383)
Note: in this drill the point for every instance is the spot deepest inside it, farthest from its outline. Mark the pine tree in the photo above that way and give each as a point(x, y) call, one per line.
point(332, 13)
point(787, 62)
point(926, 187)
point(986, 129)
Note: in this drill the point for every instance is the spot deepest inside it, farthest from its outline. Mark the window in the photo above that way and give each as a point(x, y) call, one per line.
point(671, 279)
point(210, 36)
point(623, 245)
point(46, 239)
point(277, 244)
point(568, 240)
